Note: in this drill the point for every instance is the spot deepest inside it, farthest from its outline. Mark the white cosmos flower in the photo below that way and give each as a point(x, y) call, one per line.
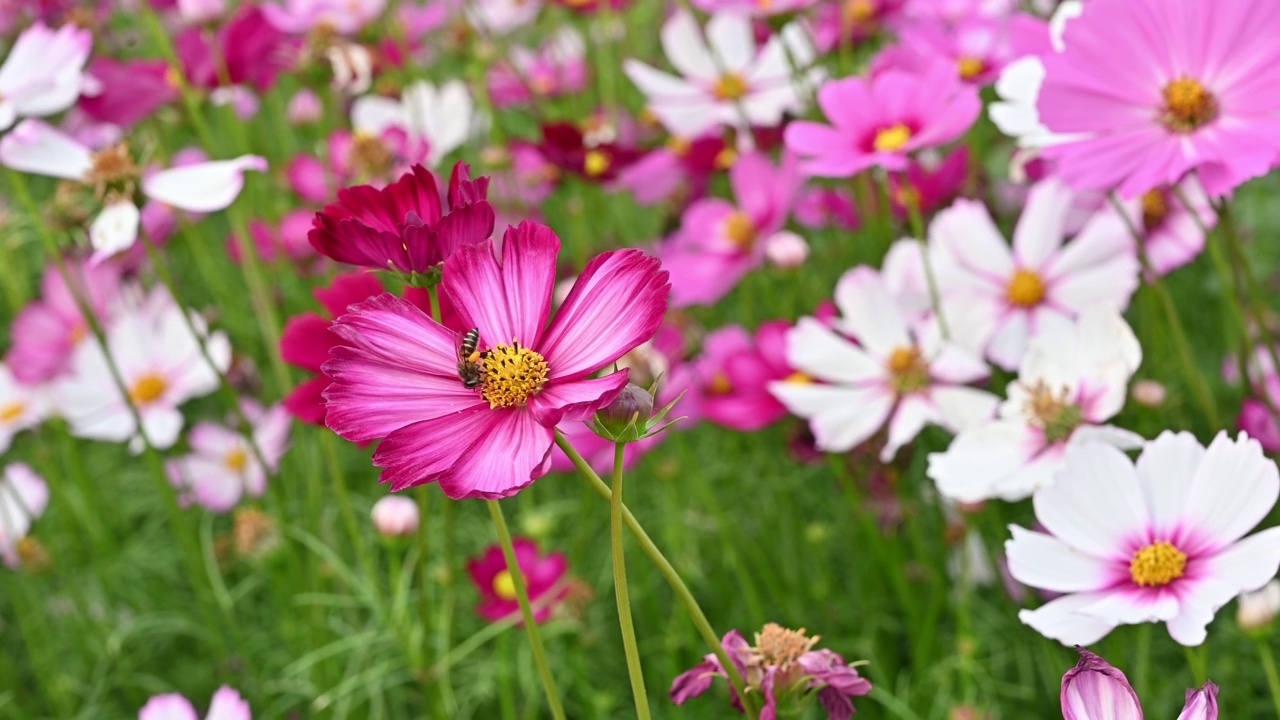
point(43, 73)
point(40, 149)
point(1072, 380)
point(729, 82)
point(442, 116)
point(1160, 540)
point(223, 467)
point(21, 407)
point(23, 498)
point(161, 365)
point(1006, 295)
point(894, 373)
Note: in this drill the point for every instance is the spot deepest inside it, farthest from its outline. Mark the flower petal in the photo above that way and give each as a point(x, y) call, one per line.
point(840, 417)
point(168, 707)
point(1061, 620)
point(575, 399)
point(1045, 562)
point(1234, 488)
point(868, 312)
point(515, 451)
point(202, 187)
point(507, 302)
point(1096, 506)
point(114, 230)
point(36, 147)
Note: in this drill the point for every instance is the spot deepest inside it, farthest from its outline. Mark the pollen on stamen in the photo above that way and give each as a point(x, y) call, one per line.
point(1188, 105)
point(511, 375)
point(1157, 564)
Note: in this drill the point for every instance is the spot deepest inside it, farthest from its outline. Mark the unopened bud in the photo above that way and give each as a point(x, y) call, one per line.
point(786, 249)
point(395, 516)
point(1148, 393)
point(1256, 610)
point(627, 418)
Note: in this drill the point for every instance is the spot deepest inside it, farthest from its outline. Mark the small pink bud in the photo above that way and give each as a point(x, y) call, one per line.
point(786, 249)
point(1148, 393)
point(305, 107)
point(395, 516)
point(1094, 689)
point(1201, 704)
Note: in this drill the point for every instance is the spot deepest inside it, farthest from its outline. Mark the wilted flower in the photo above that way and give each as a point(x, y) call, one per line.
point(23, 498)
point(784, 669)
point(225, 705)
point(1094, 690)
point(544, 579)
point(395, 516)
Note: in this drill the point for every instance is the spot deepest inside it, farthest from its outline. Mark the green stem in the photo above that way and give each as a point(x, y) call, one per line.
point(522, 597)
point(1196, 661)
point(668, 572)
point(1269, 667)
point(620, 590)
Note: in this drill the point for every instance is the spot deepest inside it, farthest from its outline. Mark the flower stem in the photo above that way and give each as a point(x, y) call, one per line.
point(1269, 667)
point(668, 572)
point(522, 597)
point(620, 590)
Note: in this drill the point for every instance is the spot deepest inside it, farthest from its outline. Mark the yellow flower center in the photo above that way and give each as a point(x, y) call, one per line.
point(503, 586)
point(726, 158)
point(12, 411)
point(720, 384)
point(1188, 105)
point(1157, 564)
point(113, 168)
point(596, 163)
point(679, 146)
point(1026, 289)
point(780, 647)
point(892, 138)
point(148, 389)
point(971, 67)
point(740, 231)
point(1155, 208)
point(236, 460)
point(858, 12)
point(909, 369)
point(798, 378)
point(369, 155)
point(79, 332)
point(511, 375)
point(730, 86)
point(1052, 412)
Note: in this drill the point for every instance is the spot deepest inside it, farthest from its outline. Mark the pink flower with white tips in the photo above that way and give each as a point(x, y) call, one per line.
point(225, 705)
point(43, 73)
point(724, 80)
point(1159, 540)
point(36, 147)
point(897, 374)
point(223, 467)
point(398, 377)
point(1004, 295)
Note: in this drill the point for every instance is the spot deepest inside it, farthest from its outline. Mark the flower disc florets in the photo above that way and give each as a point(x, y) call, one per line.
point(512, 374)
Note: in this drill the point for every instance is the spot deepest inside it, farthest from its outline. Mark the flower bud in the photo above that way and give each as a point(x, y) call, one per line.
point(1256, 610)
point(626, 419)
point(395, 516)
point(786, 249)
point(1201, 704)
point(305, 107)
point(1148, 393)
point(1093, 688)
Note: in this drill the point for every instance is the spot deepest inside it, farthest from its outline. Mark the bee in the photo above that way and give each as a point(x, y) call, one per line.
point(469, 359)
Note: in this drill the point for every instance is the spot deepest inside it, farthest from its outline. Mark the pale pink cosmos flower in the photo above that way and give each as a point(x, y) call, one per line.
point(43, 73)
point(440, 116)
point(489, 434)
point(907, 377)
point(302, 16)
point(728, 383)
point(499, 16)
point(1160, 540)
point(38, 148)
point(1095, 690)
point(719, 242)
point(222, 467)
point(47, 331)
point(225, 705)
point(978, 49)
point(1173, 232)
point(879, 122)
point(1003, 296)
point(24, 495)
point(161, 365)
point(1071, 381)
point(1156, 89)
point(558, 67)
point(724, 80)
point(21, 407)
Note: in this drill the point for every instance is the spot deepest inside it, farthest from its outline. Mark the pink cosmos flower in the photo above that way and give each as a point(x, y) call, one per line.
point(286, 240)
point(1094, 690)
point(403, 227)
point(246, 50)
point(558, 67)
point(1172, 233)
point(24, 495)
point(47, 331)
point(399, 376)
point(343, 16)
point(527, 181)
point(306, 339)
point(225, 705)
point(821, 207)
point(853, 21)
point(763, 8)
point(1161, 540)
point(723, 80)
point(784, 669)
point(978, 49)
point(928, 183)
point(720, 242)
point(1257, 421)
point(905, 376)
point(879, 122)
point(682, 169)
point(544, 577)
point(127, 90)
point(222, 466)
point(729, 383)
point(1003, 296)
point(1149, 111)
point(43, 73)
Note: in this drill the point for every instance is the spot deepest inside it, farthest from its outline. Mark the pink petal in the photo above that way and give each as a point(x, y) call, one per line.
point(513, 452)
point(508, 301)
point(575, 399)
point(228, 705)
point(168, 707)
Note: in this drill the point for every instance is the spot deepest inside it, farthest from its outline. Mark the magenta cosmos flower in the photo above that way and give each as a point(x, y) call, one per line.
point(403, 227)
point(1158, 88)
point(729, 383)
point(882, 120)
point(543, 578)
point(399, 379)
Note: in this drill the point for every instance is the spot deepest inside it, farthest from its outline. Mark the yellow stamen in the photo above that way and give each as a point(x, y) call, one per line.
point(730, 86)
point(12, 411)
point(596, 163)
point(892, 138)
point(909, 369)
point(720, 384)
point(971, 67)
point(1155, 208)
point(1188, 105)
point(503, 586)
point(114, 169)
point(798, 378)
point(726, 158)
point(511, 375)
point(858, 12)
point(1026, 289)
point(679, 146)
point(1157, 564)
point(739, 230)
point(148, 389)
point(236, 460)
point(1053, 412)
point(369, 155)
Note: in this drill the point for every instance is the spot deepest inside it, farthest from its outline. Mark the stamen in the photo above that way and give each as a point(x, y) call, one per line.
point(12, 412)
point(1026, 289)
point(236, 460)
point(1155, 208)
point(512, 375)
point(1157, 564)
point(1052, 412)
point(779, 647)
point(720, 384)
point(1188, 105)
point(858, 12)
point(369, 155)
point(909, 370)
point(596, 163)
point(730, 86)
point(504, 586)
point(148, 389)
point(739, 230)
point(892, 138)
point(113, 168)
point(971, 67)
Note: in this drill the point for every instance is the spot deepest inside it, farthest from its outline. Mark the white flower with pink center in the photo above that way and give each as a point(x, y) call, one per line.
point(1159, 540)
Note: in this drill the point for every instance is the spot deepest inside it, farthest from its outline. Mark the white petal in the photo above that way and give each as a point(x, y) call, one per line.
point(202, 187)
point(1045, 562)
point(868, 313)
point(732, 40)
point(1096, 504)
point(1061, 620)
point(114, 230)
point(683, 44)
point(1233, 490)
point(447, 123)
point(910, 417)
point(819, 352)
point(1166, 470)
point(980, 458)
point(36, 147)
point(1042, 226)
point(962, 408)
point(373, 114)
point(840, 418)
point(1244, 567)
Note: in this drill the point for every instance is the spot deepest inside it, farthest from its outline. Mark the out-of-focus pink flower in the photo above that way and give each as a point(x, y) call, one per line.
point(728, 384)
point(597, 451)
point(567, 147)
point(747, 86)
point(46, 332)
point(821, 207)
point(784, 669)
point(556, 68)
point(1197, 104)
point(928, 186)
point(305, 107)
point(1173, 234)
point(1257, 420)
point(681, 169)
point(302, 16)
point(201, 11)
point(243, 102)
point(978, 49)
point(24, 495)
point(762, 8)
point(222, 466)
point(127, 90)
point(491, 437)
point(881, 121)
point(786, 250)
point(246, 50)
point(287, 240)
point(526, 181)
point(225, 705)
point(43, 73)
point(853, 21)
point(543, 578)
point(395, 516)
point(21, 407)
point(720, 242)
